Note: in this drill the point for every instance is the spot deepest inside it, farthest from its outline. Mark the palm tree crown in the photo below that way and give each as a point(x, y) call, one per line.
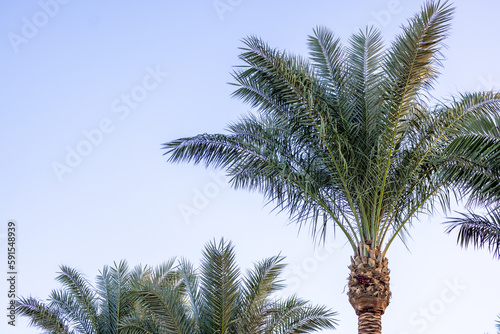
point(176, 299)
point(349, 138)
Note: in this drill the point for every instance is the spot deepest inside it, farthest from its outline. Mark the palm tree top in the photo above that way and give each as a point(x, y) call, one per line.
point(176, 298)
point(347, 137)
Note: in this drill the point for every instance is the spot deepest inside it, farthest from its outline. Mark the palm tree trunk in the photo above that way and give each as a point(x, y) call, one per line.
point(369, 292)
point(370, 323)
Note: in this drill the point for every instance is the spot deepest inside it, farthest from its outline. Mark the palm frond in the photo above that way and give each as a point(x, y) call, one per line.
point(328, 59)
point(258, 286)
point(138, 324)
point(162, 297)
point(190, 279)
point(472, 160)
point(81, 292)
point(478, 231)
point(262, 281)
point(42, 316)
point(113, 288)
point(219, 278)
point(294, 315)
point(413, 60)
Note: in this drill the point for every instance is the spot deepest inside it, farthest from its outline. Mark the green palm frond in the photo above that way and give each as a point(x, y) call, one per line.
point(258, 286)
point(136, 323)
point(74, 313)
point(328, 58)
point(294, 315)
point(473, 158)
point(162, 298)
point(472, 162)
point(365, 56)
point(262, 281)
point(190, 279)
point(166, 306)
point(412, 62)
point(43, 316)
point(77, 299)
point(478, 231)
point(219, 277)
point(113, 288)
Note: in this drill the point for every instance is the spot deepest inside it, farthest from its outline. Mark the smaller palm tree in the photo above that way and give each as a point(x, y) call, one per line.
point(176, 299)
point(79, 307)
point(217, 299)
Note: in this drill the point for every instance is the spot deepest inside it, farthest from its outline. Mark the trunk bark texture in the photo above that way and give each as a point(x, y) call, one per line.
point(370, 322)
point(369, 292)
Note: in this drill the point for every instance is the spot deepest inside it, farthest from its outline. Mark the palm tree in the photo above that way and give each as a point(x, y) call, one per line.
point(473, 162)
point(175, 299)
point(348, 138)
point(218, 300)
point(79, 307)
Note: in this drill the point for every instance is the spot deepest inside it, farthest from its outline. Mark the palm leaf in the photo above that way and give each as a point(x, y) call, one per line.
point(478, 231)
point(294, 315)
point(219, 285)
point(42, 316)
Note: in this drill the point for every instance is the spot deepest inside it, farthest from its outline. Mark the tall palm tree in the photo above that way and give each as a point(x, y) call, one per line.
point(79, 307)
point(347, 139)
point(473, 162)
point(218, 300)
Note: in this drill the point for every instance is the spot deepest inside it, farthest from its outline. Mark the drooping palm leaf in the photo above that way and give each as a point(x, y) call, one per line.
point(473, 163)
point(42, 316)
point(290, 314)
point(478, 231)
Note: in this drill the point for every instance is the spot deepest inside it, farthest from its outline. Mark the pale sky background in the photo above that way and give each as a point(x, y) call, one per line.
point(67, 69)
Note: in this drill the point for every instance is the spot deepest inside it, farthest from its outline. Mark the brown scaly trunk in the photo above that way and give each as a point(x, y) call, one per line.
point(369, 292)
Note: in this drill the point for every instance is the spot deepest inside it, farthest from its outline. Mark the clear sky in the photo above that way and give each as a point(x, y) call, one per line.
point(91, 89)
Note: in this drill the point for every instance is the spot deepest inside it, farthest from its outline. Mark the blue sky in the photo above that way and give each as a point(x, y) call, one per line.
point(90, 91)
